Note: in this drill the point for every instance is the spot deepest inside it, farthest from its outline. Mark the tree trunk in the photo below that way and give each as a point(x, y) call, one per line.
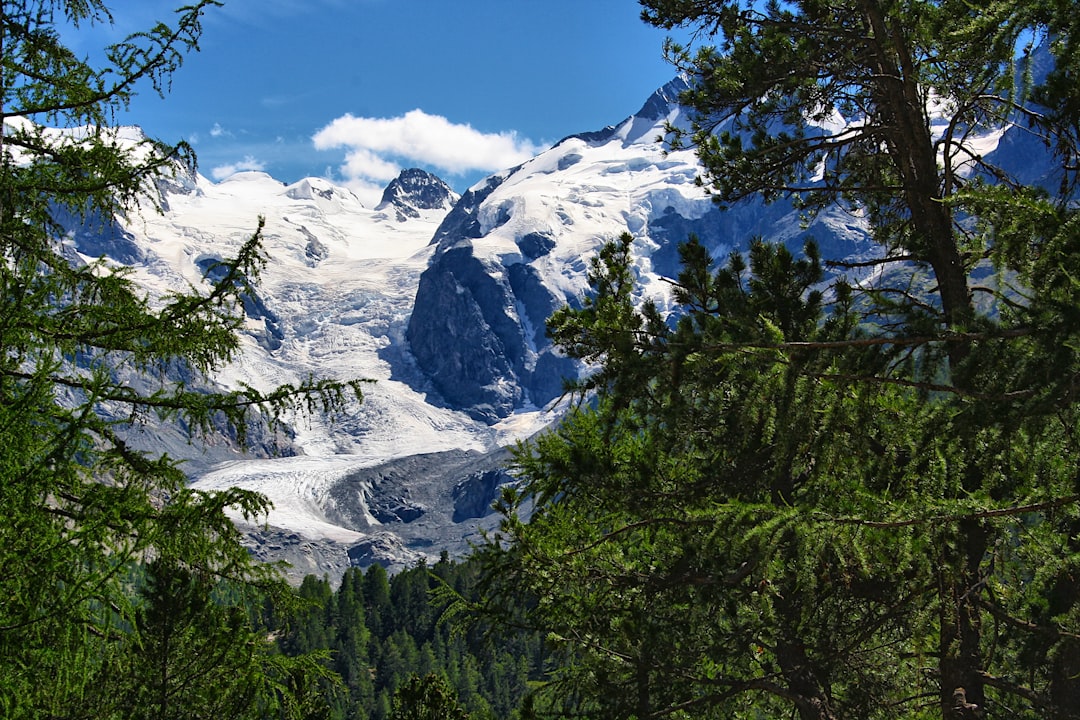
point(644, 700)
point(810, 700)
point(1065, 682)
point(1065, 663)
point(960, 663)
point(910, 145)
point(804, 681)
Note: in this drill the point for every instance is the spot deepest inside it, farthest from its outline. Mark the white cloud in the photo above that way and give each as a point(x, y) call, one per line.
point(370, 193)
point(248, 163)
point(376, 147)
point(218, 131)
point(363, 163)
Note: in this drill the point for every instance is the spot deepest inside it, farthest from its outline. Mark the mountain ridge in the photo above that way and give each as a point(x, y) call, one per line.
point(443, 302)
point(511, 251)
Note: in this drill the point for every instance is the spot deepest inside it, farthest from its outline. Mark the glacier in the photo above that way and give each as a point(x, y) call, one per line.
point(332, 303)
point(441, 301)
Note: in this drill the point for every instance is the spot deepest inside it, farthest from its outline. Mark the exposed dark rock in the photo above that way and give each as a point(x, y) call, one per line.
point(96, 236)
point(534, 298)
point(414, 190)
point(478, 326)
point(461, 222)
point(380, 549)
point(394, 509)
point(254, 306)
point(535, 245)
point(661, 102)
point(315, 251)
point(550, 375)
point(569, 160)
point(432, 502)
point(477, 331)
point(462, 334)
point(322, 558)
point(475, 495)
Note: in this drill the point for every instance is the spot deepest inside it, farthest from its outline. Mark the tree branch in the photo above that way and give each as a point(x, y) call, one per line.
point(1012, 511)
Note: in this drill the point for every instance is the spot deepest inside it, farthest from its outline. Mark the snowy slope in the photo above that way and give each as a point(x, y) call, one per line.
point(332, 302)
point(516, 247)
point(339, 281)
point(442, 301)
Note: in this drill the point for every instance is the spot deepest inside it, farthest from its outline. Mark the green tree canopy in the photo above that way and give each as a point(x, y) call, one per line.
point(819, 498)
point(83, 355)
point(427, 698)
point(878, 104)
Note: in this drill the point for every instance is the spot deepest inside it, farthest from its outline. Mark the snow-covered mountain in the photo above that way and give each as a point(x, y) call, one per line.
point(332, 302)
point(443, 301)
point(515, 248)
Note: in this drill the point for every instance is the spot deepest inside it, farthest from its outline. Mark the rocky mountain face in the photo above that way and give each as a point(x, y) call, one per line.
point(443, 302)
point(413, 191)
point(514, 249)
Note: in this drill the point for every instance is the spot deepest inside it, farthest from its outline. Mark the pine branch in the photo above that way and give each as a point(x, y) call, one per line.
point(922, 385)
point(915, 340)
point(846, 265)
point(1014, 689)
point(1048, 631)
point(1006, 512)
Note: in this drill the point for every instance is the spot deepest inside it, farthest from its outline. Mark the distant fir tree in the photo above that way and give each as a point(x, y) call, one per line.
point(118, 584)
point(429, 697)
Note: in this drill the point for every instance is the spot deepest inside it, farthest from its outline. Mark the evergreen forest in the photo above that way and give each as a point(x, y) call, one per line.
point(383, 633)
point(802, 494)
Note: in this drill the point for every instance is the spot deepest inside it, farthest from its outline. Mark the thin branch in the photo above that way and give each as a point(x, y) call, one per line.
point(1049, 631)
point(922, 385)
point(1012, 511)
point(606, 537)
point(870, 263)
point(1014, 689)
point(876, 341)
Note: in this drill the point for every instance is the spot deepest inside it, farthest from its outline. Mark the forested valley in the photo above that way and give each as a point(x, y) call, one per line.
point(392, 635)
point(799, 495)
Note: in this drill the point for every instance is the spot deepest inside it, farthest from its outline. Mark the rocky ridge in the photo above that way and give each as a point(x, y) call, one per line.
point(443, 302)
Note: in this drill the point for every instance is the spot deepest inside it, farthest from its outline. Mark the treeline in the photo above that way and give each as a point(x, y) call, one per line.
point(809, 497)
point(380, 632)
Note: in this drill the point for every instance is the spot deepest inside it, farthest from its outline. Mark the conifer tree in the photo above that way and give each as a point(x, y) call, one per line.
point(852, 501)
point(428, 697)
point(81, 511)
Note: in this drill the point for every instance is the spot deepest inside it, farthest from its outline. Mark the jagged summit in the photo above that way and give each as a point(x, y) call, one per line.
point(513, 249)
point(414, 190)
point(664, 100)
point(645, 125)
point(443, 300)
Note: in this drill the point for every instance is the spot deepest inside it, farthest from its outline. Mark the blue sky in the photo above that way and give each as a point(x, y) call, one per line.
point(357, 89)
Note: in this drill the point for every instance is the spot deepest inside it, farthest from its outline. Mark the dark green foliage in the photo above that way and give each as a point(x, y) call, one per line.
point(862, 509)
point(400, 656)
point(767, 98)
point(762, 526)
point(198, 653)
point(786, 508)
point(426, 698)
point(85, 518)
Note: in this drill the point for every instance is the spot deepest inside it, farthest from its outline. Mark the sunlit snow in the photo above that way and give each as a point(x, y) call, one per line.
point(340, 310)
point(341, 280)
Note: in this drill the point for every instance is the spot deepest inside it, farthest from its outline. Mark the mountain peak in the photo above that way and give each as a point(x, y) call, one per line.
point(644, 126)
point(414, 190)
point(662, 107)
point(664, 100)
